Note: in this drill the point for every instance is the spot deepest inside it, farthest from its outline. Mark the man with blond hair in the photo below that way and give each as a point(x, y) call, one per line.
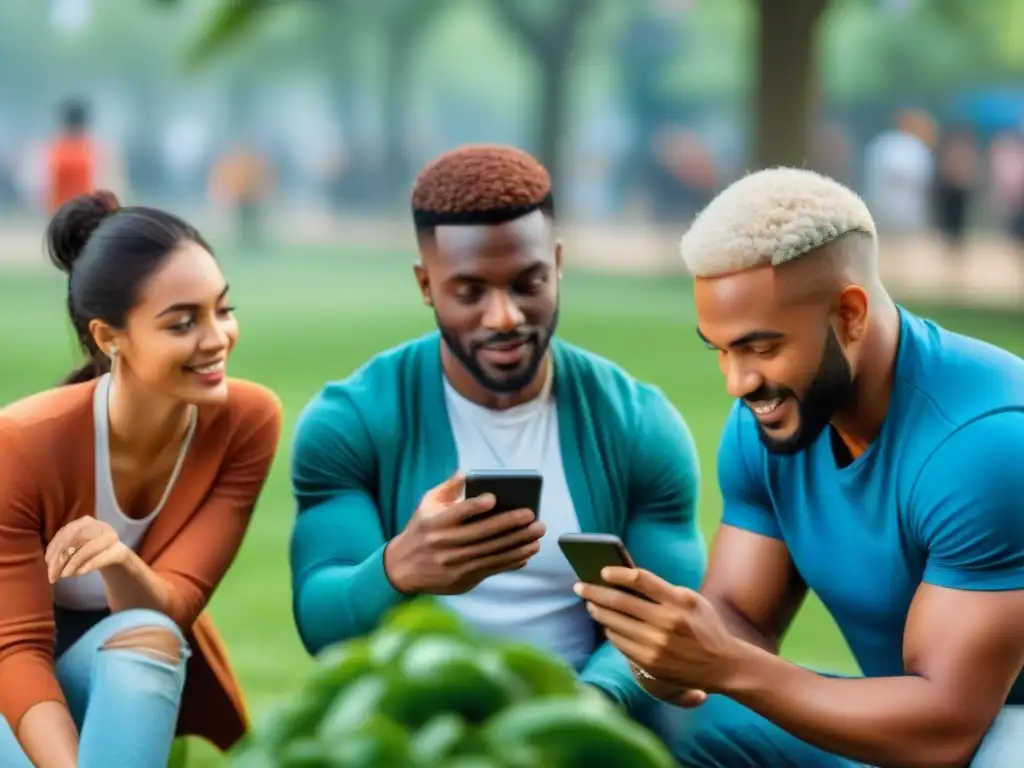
point(873, 458)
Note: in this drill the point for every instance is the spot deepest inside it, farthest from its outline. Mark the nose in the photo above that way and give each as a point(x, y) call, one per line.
point(502, 313)
point(740, 379)
point(215, 338)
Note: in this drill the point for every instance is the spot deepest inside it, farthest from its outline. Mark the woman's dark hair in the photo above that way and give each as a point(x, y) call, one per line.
point(108, 253)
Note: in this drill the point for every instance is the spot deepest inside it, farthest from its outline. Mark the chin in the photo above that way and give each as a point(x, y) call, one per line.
point(198, 394)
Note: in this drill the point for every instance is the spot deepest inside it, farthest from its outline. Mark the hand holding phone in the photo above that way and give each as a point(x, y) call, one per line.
point(590, 553)
point(452, 543)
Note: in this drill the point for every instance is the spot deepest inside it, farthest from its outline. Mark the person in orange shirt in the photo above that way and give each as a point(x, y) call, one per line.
point(124, 497)
point(72, 160)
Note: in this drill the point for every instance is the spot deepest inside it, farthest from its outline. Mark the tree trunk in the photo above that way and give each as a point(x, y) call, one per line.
point(397, 84)
point(550, 42)
point(553, 108)
point(786, 89)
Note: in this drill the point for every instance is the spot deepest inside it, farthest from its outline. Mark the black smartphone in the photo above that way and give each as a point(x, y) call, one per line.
point(512, 489)
point(589, 553)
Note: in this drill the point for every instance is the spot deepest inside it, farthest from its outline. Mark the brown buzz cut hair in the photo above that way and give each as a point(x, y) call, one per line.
point(480, 184)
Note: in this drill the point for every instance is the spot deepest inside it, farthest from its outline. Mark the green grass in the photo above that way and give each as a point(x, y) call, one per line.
point(313, 316)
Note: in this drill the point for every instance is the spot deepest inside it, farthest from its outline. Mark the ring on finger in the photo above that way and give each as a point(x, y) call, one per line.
point(71, 551)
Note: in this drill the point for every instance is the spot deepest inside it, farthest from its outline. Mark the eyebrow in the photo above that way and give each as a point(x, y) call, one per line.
point(190, 307)
point(537, 266)
point(747, 338)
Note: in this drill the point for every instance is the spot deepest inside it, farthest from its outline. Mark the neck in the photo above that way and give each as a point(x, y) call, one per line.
point(467, 386)
point(142, 423)
point(859, 423)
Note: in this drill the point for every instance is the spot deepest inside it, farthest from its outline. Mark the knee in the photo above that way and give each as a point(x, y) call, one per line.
point(150, 633)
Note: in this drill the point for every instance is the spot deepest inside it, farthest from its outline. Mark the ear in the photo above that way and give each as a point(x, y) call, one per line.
point(851, 310)
point(105, 336)
point(558, 258)
point(423, 280)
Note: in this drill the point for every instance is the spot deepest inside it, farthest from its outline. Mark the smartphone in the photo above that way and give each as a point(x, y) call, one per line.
point(589, 553)
point(512, 488)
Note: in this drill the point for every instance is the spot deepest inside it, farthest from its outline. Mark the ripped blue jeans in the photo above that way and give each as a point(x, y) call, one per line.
point(124, 700)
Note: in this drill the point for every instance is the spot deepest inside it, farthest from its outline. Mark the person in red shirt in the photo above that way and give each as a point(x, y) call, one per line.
point(71, 165)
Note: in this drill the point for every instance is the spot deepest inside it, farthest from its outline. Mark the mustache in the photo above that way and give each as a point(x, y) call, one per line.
point(510, 337)
point(763, 393)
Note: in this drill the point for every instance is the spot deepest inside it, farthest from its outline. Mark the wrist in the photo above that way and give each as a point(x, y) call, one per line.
point(743, 666)
point(124, 563)
point(394, 570)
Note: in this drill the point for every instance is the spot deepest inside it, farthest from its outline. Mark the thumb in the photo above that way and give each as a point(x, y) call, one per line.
point(449, 491)
point(690, 698)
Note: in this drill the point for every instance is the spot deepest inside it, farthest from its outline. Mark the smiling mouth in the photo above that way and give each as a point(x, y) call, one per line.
point(767, 412)
point(206, 369)
point(508, 353)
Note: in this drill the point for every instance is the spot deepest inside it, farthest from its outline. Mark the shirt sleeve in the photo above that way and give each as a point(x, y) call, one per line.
point(746, 503)
point(27, 674)
point(196, 561)
point(339, 586)
point(967, 506)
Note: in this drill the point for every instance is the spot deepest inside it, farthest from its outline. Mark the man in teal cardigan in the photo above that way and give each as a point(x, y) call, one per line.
point(377, 456)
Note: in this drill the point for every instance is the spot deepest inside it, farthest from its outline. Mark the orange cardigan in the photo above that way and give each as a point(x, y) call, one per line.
point(47, 480)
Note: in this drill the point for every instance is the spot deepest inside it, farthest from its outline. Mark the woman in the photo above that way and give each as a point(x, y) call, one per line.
point(124, 497)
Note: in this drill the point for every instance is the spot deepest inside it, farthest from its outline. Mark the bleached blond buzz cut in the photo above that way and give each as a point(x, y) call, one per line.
point(772, 217)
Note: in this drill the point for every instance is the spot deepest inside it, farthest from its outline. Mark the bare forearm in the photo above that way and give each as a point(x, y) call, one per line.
point(740, 627)
point(133, 584)
point(48, 736)
point(892, 721)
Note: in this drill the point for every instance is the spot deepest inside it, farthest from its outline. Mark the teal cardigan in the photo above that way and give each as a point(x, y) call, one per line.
point(368, 447)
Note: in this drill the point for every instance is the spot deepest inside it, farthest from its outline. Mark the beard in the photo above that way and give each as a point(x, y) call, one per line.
point(502, 380)
point(831, 388)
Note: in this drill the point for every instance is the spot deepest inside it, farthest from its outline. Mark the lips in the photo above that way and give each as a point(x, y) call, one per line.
point(768, 412)
point(510, 353)
point(216, 366)
point(209, 374)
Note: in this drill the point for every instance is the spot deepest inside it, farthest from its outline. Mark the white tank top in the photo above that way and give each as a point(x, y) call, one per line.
point(87, 592)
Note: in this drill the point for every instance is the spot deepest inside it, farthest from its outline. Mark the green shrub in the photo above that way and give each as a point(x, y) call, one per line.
point(425, 692)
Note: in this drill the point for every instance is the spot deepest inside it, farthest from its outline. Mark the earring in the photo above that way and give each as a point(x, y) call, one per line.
point(113, 351)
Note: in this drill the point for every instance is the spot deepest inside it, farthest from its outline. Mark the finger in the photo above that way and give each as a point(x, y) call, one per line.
point(456, 514)
point(642, 582)
point(104, 559)
point(496, 544)
point(627, 626)
point(503, 561)
point(85, 553)
point(60, 553)
point(497, 525)
point(65, 537)
point(448, 491)
point(692, 697)
point(619, 601)
point(635, 652)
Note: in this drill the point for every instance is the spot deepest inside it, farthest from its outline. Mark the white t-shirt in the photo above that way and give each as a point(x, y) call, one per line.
point(535, 604)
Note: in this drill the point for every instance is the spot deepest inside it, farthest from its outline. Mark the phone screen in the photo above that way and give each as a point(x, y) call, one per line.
point(512, 490)
point(588, 554)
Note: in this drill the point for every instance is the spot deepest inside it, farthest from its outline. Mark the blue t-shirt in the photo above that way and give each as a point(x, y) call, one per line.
point(938, 497)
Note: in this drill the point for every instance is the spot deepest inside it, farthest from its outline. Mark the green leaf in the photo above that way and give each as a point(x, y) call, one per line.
point(230, 22)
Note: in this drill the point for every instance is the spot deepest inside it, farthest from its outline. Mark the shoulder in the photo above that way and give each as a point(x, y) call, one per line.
point(966, 503)
point(345, 410)
point(250, 418)
point(976, 461)
point(250, 404)
point(50, 423)
point(948, 381)
point(384, 376)
point(618, 394)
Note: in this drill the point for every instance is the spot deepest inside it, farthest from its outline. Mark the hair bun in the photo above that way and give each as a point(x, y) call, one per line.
point(73, 224)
